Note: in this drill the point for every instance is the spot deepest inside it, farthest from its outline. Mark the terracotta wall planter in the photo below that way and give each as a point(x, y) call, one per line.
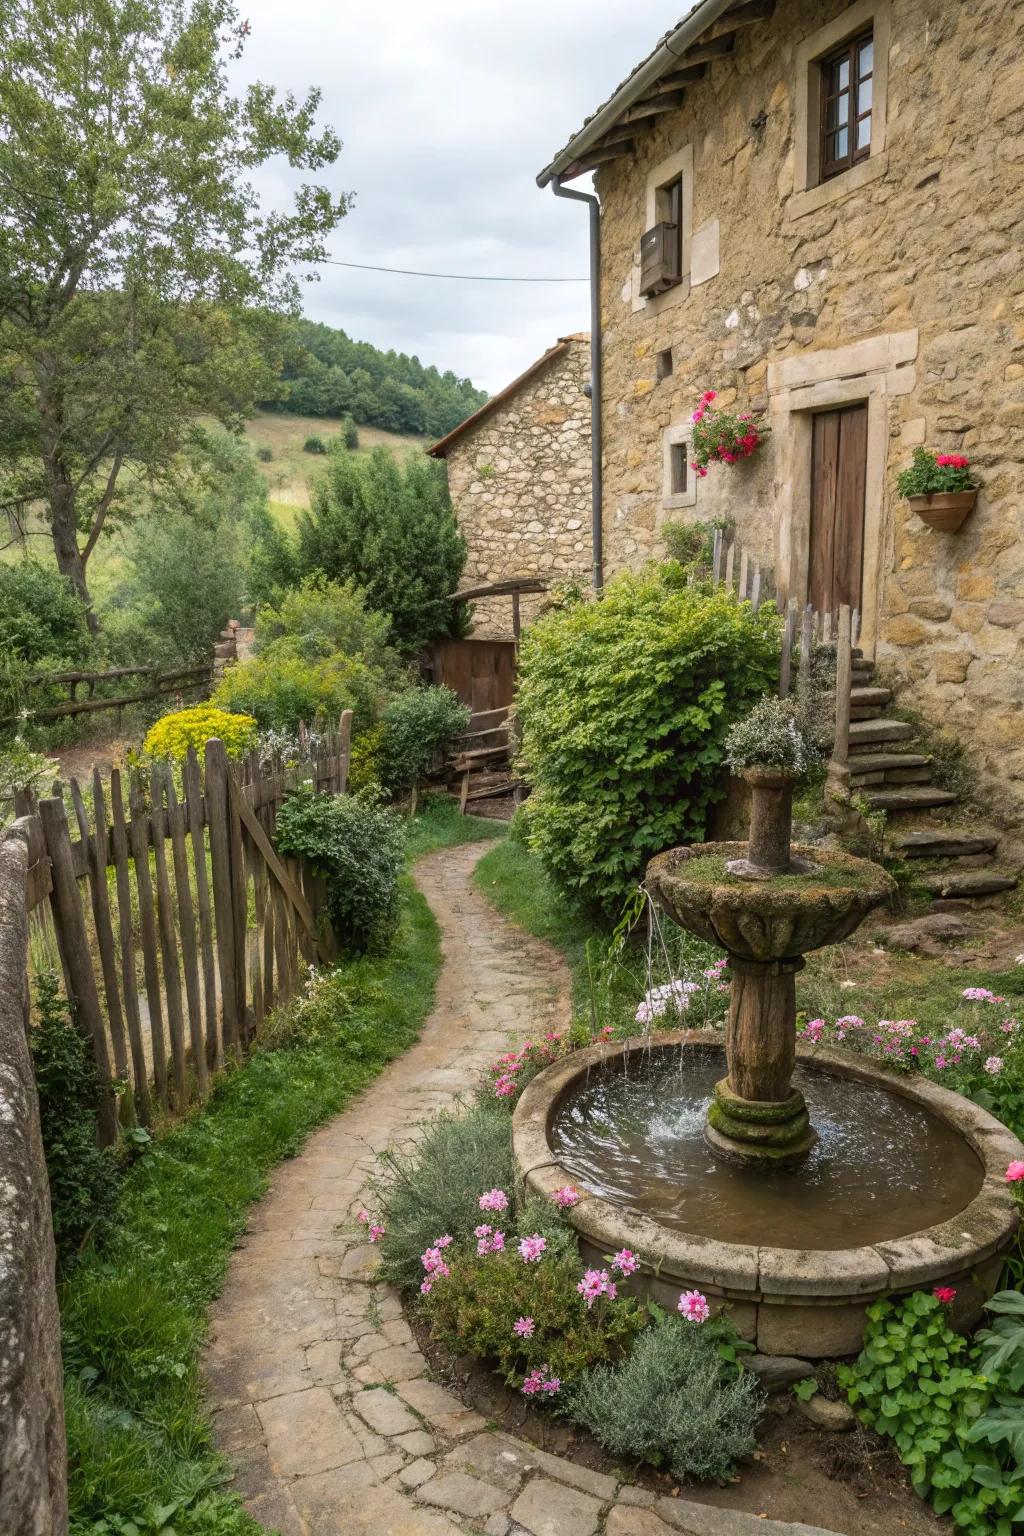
point(944, 511)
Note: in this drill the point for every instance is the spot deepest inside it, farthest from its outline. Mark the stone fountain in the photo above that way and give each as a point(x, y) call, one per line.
point(799, 1185)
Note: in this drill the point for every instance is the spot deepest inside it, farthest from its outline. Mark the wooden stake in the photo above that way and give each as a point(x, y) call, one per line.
point(139, 833)
point(119, 840)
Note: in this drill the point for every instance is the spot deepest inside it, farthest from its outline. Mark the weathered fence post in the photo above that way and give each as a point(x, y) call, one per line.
point(33, 1453)
point(218, 816)
point(839, 767)
point(344, 749)
point(69, 921)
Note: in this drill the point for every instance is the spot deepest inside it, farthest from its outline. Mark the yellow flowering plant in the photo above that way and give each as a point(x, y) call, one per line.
point(171, 736)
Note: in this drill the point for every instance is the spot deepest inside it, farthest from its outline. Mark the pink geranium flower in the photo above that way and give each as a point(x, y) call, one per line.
point(597, 1283)
point(978, 995)
point(531, 1249)
point(566, 1197)
point(375, 1233)
point(524, 1327)
point(537, 1382)
point(694, 1307)
point(994, 1065)
point(1015, 1173)
point(494, 1200)
point(625, 1262)
point(945, 1294)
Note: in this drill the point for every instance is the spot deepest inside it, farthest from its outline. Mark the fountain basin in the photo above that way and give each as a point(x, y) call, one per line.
point(786, 1291)
point(781, 918)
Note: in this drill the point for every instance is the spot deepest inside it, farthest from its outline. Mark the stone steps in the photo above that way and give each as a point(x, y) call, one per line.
point(944, 843)
point(862, 697)
point(881, 762)
point(967, 884)
point(868, 734)
point(894, 777)
point(913, 797)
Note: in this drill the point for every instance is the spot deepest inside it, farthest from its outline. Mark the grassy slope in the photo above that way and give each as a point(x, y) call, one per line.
point(134, 1312)
point(289, 472)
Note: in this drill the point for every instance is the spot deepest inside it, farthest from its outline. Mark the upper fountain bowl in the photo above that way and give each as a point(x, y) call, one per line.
point(776, 919)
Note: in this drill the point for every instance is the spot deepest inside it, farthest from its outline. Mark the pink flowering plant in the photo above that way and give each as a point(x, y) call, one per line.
point(934, 474)
point(722, 436)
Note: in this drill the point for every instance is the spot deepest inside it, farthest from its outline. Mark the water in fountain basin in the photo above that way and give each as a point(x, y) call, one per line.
point(883, 1166)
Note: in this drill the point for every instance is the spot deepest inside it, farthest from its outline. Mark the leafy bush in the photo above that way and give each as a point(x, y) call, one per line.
point(624, 706)
point(314, 445)
point(21, 768)
point(265, 455)
point(419, 727)
point(938, 1397)
point(40, 614)
point(772, 735)
point(172, 735)
point(932, 474)
point(273, 558)
point(692, 544)
point(84, 1177)
point(674, 1401)
point(475, 1309)
point(350, 434)
point(391, 529)
point(358, 846)
point(319, 651)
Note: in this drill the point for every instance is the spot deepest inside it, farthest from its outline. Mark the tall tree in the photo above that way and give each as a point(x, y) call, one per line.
point(141, 282)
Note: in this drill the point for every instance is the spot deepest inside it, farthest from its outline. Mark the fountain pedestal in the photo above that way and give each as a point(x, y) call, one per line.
point(756, 1115)
point(766, 907)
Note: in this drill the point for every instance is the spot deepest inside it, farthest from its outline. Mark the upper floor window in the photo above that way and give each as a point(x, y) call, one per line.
point(847, 87)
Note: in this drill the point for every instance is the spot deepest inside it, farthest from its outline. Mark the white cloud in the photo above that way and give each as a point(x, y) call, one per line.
point(447, 111)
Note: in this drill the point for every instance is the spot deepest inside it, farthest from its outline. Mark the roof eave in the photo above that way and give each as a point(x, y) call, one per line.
point(704, 15)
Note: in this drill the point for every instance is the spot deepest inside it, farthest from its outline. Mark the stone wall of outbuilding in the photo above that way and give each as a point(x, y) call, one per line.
point(520, 486)
point(904, 287)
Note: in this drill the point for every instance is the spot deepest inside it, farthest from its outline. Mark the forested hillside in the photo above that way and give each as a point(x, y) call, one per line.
point(328, 374)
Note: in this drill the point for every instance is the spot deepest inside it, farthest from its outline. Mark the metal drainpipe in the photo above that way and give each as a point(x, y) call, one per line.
point(596, 478)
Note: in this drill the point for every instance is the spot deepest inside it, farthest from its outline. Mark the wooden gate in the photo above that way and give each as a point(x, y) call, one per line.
point(193, 928)
point(481, 672)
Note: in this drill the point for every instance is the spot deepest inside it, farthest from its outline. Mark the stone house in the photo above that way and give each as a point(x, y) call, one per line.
point(838, 193)
point(519, 476)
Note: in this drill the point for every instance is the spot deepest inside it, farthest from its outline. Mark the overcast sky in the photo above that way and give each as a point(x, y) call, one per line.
point(448, 109)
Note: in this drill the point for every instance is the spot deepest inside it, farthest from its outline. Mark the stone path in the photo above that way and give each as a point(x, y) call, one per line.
point(321, 1397)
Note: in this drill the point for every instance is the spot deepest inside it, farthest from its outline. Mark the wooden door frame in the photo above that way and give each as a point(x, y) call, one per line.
point(870, 372)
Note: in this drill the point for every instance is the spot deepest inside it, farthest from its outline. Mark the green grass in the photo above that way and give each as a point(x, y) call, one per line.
point(142, 1460)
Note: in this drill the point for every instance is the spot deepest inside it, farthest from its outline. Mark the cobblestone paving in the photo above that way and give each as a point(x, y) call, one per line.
point(321, 1397)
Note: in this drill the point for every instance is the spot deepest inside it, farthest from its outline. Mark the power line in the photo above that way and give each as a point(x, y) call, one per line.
point(459, 277)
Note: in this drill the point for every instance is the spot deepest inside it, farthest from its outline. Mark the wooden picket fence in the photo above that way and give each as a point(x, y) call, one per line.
point(177, 923)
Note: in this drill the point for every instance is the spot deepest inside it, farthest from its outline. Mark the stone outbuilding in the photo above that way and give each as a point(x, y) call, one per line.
point(816, 209)
point(519, 476)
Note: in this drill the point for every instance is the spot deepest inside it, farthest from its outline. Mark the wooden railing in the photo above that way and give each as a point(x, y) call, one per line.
point(177, 924)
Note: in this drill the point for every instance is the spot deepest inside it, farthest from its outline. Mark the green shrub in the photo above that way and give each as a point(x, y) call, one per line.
point(319, 651)
point(938, 1396)
point(434, 1186)
point(692, 544)
point(40, 614)
point(265, 455)
point(624, 706)
point(173, 734)
point(419, 727)
point(390, 528)
point(350, 434)
point(358, 846)
point(772, 735)
point(674, 1401)
point(314, 445)
point(84, 1177)
point(475, 1308)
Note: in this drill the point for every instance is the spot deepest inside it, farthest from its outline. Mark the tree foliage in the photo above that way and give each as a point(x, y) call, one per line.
point(139, 276)
point(390, 528)
point(624, 705)
point(328, 374)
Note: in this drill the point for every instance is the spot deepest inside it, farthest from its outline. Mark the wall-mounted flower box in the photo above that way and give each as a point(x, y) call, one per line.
point(940, 487)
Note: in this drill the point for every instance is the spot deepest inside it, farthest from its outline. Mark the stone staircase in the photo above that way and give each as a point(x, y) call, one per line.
point(893, 776)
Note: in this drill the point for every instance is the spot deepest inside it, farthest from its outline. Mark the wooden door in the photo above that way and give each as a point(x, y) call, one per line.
point(839, 462)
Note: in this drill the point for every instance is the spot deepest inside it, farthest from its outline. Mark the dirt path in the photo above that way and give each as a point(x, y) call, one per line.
point(322, 1397)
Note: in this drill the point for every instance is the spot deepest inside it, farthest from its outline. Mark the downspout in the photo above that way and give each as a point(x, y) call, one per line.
point(596, 477)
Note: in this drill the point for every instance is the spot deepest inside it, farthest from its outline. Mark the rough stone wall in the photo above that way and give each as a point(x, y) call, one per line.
point(33, 1458)
point(932, 245)
point(520, 485)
